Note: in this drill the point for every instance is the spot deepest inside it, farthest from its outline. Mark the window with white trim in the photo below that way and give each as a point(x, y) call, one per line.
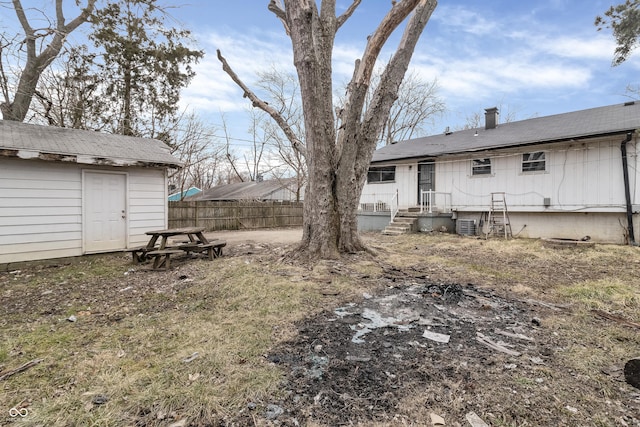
point(381, 174)
point(534, 162)
point(481, 167)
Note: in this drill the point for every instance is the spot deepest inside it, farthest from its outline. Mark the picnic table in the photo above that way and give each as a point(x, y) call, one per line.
point(161, 253)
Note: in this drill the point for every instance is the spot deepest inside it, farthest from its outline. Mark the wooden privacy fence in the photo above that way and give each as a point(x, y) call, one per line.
point(235, 215)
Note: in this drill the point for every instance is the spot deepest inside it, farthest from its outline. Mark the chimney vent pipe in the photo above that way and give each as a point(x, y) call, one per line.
point(491, 118)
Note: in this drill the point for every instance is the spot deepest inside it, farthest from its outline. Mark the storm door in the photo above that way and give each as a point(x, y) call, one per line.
point(426, 181)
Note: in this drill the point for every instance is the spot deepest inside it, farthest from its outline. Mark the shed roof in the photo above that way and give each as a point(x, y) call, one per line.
point(28, 141)
point(601, 121)
point(253, 190)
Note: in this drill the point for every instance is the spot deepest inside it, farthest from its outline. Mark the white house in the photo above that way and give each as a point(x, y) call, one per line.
point(67, 192)
point(564, 176)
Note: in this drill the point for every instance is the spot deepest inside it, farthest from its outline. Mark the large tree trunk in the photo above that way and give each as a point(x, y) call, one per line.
point(337, 161)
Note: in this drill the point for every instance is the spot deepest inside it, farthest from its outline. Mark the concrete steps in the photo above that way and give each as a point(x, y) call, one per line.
point(403, 223)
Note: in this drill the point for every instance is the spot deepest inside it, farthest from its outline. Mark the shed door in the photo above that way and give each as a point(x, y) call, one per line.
point(426, 179)
point(105, 219)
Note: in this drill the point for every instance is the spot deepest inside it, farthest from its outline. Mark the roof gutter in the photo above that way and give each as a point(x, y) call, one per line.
point(627, 191)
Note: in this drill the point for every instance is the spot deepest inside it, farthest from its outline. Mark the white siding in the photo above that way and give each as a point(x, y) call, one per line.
point(41, 208)
point(578, 179)
point(583, 182)
point(147, 204)
point(600, 227)
point(406, 183)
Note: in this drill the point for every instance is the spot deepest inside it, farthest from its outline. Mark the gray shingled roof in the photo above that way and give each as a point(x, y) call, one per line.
point(25, 140)
point(253, 190)
point(613, 119)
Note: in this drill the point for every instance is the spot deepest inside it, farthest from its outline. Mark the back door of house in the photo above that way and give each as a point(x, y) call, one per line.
point(105, 220)
point(426, 179)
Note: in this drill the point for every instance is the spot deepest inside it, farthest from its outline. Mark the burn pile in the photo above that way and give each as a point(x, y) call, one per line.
point(357, 362)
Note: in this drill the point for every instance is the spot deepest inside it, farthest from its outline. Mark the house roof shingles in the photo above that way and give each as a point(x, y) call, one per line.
point(28, 141)
point(252, 190)
point(613, 119)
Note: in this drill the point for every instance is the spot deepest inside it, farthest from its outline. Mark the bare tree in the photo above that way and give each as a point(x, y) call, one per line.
point(50, 40)
point(633, 92)
point(338, 154)
point(416, 108)
point(233, 174)
point(66, 93)
point(476, 120)
point(283, 92)
point(254, 156)
point(191, 141)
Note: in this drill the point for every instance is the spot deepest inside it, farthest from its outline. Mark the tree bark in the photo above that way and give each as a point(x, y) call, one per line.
point(35, 64)
point(337, 161)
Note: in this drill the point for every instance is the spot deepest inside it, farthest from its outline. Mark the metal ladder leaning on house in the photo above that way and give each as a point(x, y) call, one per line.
point(498, 220)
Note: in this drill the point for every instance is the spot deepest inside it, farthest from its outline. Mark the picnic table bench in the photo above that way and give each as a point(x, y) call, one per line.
point(162, 257)
point(162, 252)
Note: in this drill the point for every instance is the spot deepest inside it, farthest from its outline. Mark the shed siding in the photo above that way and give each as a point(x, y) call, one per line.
point(147, 203)
point(41, 208)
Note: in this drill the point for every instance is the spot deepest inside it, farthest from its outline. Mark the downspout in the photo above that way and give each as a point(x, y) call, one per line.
point(627, 191)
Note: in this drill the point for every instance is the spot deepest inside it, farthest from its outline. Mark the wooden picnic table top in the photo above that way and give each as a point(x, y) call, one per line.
point(176, 231)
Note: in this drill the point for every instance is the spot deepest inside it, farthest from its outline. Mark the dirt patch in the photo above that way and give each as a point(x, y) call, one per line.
point(358, 363)
point(272, 237)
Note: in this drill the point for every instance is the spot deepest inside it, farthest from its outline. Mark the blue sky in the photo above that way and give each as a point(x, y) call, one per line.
point(528, 58)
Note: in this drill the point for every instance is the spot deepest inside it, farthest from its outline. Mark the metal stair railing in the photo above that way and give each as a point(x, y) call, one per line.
point(395, 207)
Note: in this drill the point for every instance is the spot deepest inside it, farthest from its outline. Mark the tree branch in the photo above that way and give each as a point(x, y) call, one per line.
point(347, 14)
point(395, 71)
point(35, 64)
point(257, 102)
point(275, 6)
point(376, 41)
point(19, 369)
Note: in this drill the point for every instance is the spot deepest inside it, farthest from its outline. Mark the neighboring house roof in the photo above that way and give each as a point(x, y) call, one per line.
point(27, 141)
point(601, 121)
point(253, 190)
point(192, 191)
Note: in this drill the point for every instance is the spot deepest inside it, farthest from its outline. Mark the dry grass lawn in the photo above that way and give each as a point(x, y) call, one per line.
point(115, 344)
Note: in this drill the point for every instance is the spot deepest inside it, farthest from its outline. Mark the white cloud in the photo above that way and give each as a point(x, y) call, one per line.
point(587, 47)
point(479, 79)
point(478, 55)
point(464, 20)
point(212, 89)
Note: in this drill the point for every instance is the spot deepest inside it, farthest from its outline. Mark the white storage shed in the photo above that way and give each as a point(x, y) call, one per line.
point(68, 192)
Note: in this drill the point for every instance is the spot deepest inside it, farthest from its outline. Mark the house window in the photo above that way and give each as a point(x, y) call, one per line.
point(534, 162)
point(381, 174)
point(481, 167)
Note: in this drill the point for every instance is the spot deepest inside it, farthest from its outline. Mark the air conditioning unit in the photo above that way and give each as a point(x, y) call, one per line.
point(466, 227)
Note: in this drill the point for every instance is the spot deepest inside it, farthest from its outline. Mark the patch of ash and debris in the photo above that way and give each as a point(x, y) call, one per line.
point(444, 342)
